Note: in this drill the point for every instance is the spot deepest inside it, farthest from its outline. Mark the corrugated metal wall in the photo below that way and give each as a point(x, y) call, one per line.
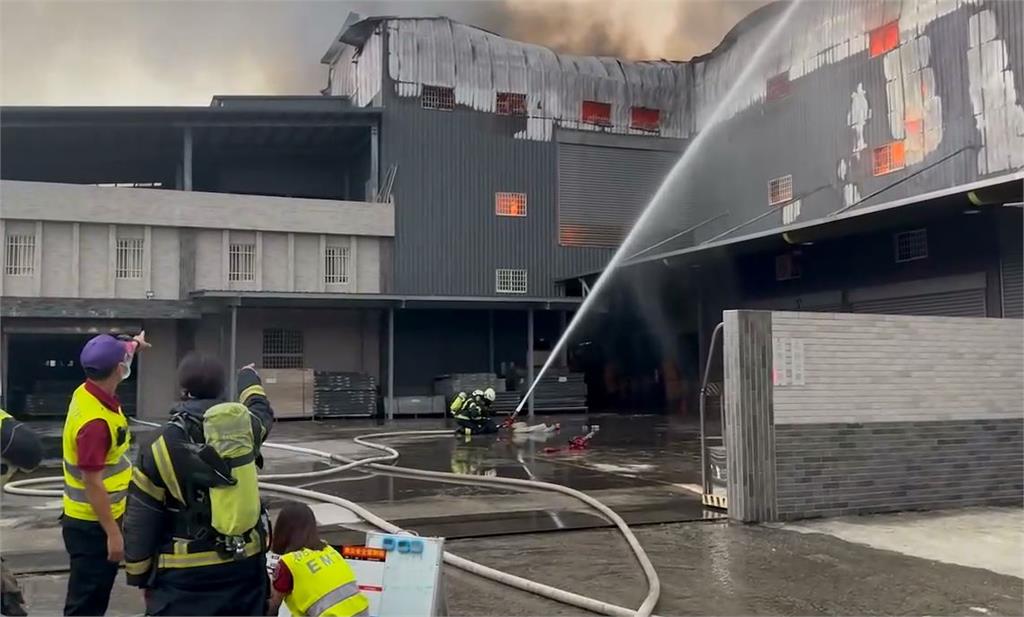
point(964, 303)
point(601, 191)
point(448, 240)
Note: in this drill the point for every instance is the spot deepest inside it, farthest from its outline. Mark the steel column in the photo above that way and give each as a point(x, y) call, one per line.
point(391, 364)
point(529, 358)
point(234, 345)
point(186, 161)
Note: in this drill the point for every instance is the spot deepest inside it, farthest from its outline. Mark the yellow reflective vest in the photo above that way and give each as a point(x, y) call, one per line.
point(10, 468)
point(323, 585)
point(117, 471)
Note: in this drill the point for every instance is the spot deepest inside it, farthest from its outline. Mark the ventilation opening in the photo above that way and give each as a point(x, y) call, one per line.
point(510, 281)
point(885, 38)
point(596, 113)
point(438, 97)
point(888, 158)
point(645, 119)
point(911, 245)
point(510, 104)
point(510, 204)
point(282, 348)
point(780, 190)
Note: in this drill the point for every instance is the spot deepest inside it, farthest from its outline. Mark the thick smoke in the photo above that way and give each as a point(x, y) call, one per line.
point(175, 52)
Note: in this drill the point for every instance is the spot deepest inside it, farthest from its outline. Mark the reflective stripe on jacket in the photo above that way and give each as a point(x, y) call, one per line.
point(323, 585)
point(117, 470)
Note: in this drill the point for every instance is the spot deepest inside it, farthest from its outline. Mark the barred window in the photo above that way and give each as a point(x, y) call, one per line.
point(336, 265)
point(282, 348)
point(911, 245)
point(888, 158)
point(510, 281)
point(510, 204)
point(438, 97)
point(128, 264)
point(241, 262)
point(21, 254)
point(780, 190)
point(510, 104)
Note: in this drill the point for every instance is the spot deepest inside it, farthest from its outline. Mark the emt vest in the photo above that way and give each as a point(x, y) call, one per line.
point(323, 585)
point(117, 470)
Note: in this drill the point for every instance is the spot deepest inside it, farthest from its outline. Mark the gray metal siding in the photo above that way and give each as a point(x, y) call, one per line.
point(964, 303)
point(601, 191)
point(448, 239)
point(808, 134)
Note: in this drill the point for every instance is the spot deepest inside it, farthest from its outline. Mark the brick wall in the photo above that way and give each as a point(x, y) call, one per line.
point(874, 413)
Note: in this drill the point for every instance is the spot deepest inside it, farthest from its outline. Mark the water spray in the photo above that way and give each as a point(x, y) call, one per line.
point(660, 196)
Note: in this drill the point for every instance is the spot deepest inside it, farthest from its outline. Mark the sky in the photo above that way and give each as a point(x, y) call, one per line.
point(182, 52)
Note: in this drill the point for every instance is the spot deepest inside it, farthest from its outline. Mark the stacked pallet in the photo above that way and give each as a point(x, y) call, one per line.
point(505, 403)
point(344, 395)
point(450, 385)
point(290, 391)
point(559, 392)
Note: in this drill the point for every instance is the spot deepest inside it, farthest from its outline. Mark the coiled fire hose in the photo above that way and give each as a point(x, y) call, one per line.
point(378, 464)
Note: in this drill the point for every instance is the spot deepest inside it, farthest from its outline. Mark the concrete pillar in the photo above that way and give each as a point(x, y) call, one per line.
point(490, 340)
point(186, 161)
point(563, 354)
point(391, 364)
point(233, 346)
point(529, 358)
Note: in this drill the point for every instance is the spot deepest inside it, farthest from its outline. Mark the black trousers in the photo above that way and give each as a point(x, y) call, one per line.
point(236, 588)
point(479, 426)
point(92, 576)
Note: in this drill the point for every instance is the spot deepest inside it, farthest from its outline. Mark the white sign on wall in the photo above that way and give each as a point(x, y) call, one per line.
point(787, 361)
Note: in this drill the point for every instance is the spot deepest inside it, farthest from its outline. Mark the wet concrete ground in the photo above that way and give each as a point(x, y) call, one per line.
point(639, 466)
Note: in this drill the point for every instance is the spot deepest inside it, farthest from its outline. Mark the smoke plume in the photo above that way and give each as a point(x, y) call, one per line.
point(173, 52)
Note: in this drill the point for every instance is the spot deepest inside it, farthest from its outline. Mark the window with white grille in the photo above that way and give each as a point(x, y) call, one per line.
point(128, 263)
point(241, 262)
point(510, 281)
point(438, 97)
point(510, 204)
point(911, 245)
point(780, 190)
point(282, 348)
point(336, 265)
point(21, 254)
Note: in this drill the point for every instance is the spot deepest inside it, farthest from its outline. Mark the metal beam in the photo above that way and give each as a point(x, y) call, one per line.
point(529, 358)
point(374, 180)
point(391, 364)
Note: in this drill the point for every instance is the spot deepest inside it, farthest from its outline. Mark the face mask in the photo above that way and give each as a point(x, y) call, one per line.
point(126, 371)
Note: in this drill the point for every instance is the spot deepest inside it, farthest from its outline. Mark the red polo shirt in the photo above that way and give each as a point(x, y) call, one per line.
point(93, 439)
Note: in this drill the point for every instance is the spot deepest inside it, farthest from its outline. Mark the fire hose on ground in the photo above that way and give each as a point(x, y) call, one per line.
point(379, 464)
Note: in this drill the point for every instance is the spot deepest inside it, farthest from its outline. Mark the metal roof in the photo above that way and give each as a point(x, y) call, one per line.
point(257, 115)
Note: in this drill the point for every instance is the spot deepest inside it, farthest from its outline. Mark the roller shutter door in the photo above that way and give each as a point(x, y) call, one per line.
point(1012, 276)
point(963, 303)
point(602, 190)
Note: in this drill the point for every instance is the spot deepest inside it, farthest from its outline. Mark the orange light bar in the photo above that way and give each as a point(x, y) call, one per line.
point(363, 552)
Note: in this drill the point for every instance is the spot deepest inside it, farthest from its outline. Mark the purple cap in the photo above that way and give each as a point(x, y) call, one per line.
point(103, 353)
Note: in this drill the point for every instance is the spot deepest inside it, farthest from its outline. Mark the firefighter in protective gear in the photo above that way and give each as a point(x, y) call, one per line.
point(19, 449)
point(196, 530)
point(311, 577)
point(474, 414)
